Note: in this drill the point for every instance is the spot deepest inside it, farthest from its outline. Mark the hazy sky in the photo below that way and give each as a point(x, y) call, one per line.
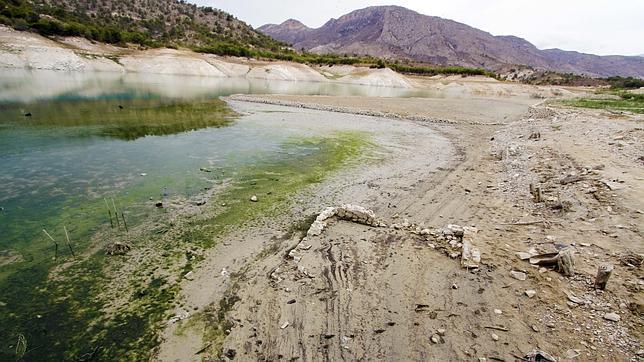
point(592, 26)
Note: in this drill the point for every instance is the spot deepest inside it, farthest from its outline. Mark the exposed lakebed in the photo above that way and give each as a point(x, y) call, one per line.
point(69, 156)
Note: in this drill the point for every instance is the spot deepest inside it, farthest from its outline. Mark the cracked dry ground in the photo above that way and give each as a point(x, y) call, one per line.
point(363, 293)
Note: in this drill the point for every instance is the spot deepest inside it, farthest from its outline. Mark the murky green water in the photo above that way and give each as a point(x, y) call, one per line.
point(70, 142)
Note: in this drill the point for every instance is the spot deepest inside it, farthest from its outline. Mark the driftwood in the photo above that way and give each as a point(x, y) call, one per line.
point(562, 261)
point(603, 274)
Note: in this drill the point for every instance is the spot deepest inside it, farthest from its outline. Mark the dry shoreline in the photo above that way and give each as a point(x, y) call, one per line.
point(360, 295)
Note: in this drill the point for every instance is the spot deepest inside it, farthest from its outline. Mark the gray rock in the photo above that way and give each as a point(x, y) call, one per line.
point(254, 198)
point(612, 317)
point(530, 293)
point(518, 275)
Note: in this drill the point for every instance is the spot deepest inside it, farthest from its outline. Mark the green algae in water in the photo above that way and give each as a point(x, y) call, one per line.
point(64, 318)
point(313, 158)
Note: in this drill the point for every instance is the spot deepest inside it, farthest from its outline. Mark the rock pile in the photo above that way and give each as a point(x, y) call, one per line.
point(348, 212)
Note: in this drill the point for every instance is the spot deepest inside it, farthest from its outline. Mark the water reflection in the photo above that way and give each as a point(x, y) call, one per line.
point(19, 85)
point(126, 119)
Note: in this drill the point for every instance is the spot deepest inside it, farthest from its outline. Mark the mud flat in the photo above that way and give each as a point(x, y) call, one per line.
point(399, 292)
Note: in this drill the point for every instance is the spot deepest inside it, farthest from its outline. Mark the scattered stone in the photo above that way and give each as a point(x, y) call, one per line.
point(572, 353)
point(292, 301)
point(523, 255)
point(28, 114)
point(538, 355)
point(435, 339)
point(518, 275)
point(348, 212)
point(441, 332)
point(498, 311)
point(530, 293)
point(254, 198)
point(495, 337)
point(200, 202)
point(159, 204)
point(144, 174)
point(231, 353)
point(118, 248)
point(613, 186)
point(454, 286)
point(205, 169)
point(612, 317)
point(574, 299)
point(284, 325)
point(535, 328)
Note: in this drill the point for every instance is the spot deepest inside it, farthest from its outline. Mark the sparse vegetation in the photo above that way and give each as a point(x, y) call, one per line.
point(620, 101)
point(576, 80)
point(435, 70)
point(150, 23)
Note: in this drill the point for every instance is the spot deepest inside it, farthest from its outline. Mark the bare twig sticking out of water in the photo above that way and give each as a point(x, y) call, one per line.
point(69, 243)
point(21, 347)
point(116, 213)
point(124, 223)
point(55, 243)
point(109, 212)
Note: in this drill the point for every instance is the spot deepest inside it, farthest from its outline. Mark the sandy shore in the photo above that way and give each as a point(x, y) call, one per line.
point(356, 292)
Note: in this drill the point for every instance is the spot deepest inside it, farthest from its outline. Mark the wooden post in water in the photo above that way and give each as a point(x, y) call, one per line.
point(55, 243)
point(69, 243)
point(109, 213)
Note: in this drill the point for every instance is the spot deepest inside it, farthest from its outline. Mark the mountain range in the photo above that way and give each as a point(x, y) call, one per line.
point(395, 32)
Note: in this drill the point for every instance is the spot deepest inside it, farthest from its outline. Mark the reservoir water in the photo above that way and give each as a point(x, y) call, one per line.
point(84, 155)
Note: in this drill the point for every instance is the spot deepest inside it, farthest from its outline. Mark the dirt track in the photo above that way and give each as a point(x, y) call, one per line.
point(364, 293)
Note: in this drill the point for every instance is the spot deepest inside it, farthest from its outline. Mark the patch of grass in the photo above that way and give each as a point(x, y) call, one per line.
point(628, 102)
